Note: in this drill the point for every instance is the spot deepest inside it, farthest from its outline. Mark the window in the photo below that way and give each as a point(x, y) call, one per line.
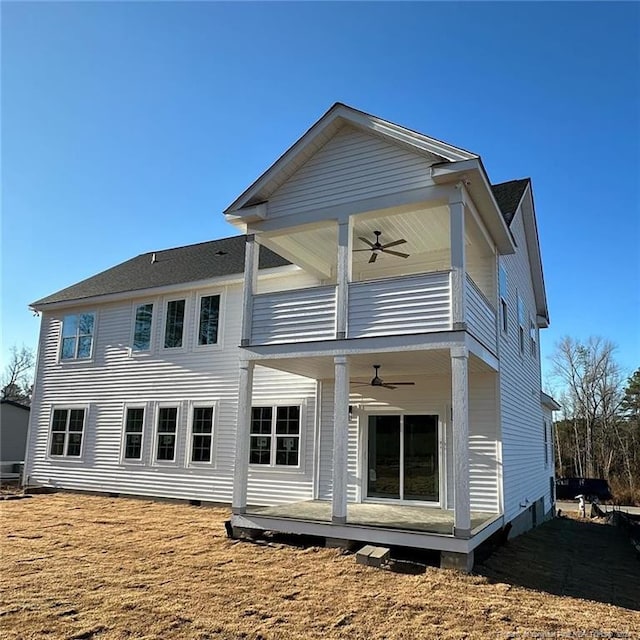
point(503, 299)
point(545, 430)
point(201, 434)
point(133, 428)
point(208, 320)
point(174, 325)
point(66, 432)
point(77, 336)
point(142, 328)
point(275, 436)
point(167, 427)
point(522, 319)
point(533, 344)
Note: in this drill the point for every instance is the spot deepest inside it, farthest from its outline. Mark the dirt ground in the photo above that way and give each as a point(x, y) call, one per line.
point(87, 567)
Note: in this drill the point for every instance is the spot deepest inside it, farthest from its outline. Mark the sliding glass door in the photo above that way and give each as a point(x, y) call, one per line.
point(402, 457)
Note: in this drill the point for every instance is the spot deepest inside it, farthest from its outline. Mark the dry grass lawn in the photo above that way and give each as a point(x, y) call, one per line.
point(88, 567)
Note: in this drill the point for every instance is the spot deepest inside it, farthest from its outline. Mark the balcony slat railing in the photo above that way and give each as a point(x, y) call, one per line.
point(480, 315)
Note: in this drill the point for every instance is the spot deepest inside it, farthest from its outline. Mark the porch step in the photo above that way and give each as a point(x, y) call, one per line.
point(373, 556)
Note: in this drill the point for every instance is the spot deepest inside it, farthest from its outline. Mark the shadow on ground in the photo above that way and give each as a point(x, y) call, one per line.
point(568, 557)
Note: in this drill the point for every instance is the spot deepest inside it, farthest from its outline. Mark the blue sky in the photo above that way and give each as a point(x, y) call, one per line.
point(128, 127)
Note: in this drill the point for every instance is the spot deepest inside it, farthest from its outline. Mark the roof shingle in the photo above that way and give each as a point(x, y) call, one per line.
point(508, 196)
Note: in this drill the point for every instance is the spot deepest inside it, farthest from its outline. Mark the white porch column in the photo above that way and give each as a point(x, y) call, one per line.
point(241, 469)
point(343, 276)
point(460, 401)
point(458, 260)
point(340, 439)
point(251, 259)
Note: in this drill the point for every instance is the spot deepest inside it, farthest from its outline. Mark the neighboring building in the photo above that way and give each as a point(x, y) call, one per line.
point(14, 424)
point(192, 373)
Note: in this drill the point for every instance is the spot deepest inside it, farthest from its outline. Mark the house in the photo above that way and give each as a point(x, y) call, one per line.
point(14, 423)
point(363, 364)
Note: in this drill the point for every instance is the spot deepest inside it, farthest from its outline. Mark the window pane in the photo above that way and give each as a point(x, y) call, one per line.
point(135, 419)
point(76, 419)
point(288, 420)
point(167, 420)
point(203, 420)
point(68, 348)
point(287, 450)
point(84, 346)
point(69, 326)
point(261, 419)
point(166, 447)
point(209, 311)
point(133, 446)
point(503, 283)
point(74, 446)
point(175, 324)
point(57, 444)
point(86, 324)
point(142, 330)
point(260, 449)
point(59, 422)
point(201, 451)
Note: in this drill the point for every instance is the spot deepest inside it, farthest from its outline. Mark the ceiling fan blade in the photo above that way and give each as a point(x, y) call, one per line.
point(393, 244)
point(386, 385)
point(396, 253)
point(367, 241)
point(373, 258)
point(402, 384)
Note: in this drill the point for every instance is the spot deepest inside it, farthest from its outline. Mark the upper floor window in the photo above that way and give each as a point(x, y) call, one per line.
point(67, 426)
point(142, 327)
point(202, 434)
point(208, 320)
point(502, 276)
point(77, 336)
point(545, 429)
point(133, 429)
point(275, 436)
point(174, 324)
point(167, 431)
point(533, 342)
point(522, 321)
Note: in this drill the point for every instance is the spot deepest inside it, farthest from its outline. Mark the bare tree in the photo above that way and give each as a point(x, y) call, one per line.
point(17, 380)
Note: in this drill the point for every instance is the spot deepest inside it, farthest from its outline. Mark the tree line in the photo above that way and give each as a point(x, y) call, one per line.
point(598, 434)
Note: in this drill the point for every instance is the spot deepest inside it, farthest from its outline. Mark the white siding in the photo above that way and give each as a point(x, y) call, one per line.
point(525, 478)
point(396, 306)
point(480, 316)
point(351, 166)
point(431, 395)
point(192, 374)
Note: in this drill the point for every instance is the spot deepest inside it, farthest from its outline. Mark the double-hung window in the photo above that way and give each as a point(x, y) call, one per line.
point(77, 336)
point(166, 434)
point(208, 320)
point(67, 427)
point(504, 319)
point(142, 327)
point(522, 322)
point(275, 436)
point(133, 432)
point(533, 342)
point(202, 434)
point(174, 324)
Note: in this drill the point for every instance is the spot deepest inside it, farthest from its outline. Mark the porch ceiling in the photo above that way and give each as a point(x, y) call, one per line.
point(394, 366)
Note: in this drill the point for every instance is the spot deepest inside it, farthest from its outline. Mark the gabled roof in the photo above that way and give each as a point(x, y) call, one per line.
point(323, 130)
point(508, 196)
point(191, 263)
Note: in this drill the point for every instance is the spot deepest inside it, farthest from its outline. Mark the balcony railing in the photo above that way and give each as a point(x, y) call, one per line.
point(480, 315)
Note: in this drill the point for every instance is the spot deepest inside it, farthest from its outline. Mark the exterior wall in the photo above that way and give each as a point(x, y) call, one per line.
point(352, 166)
point(14, 422)
point(524, 474)
point(431, 394)
point(114, 377)
point(550, 461)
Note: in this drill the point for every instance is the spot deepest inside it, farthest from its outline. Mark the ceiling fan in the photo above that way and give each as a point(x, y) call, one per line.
point(377, 248)
point(377, 381)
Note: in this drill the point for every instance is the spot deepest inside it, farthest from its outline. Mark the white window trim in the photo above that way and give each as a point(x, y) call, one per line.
point(503, 311)
point(185, 326)
point(68, 407)
point(533, 341)
point(189, 448)
point(523, 330)
point(196, 320)
point(156, 418)
point(272, 467)
point(141, 353)
point(77, 361)
point(134, 405)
